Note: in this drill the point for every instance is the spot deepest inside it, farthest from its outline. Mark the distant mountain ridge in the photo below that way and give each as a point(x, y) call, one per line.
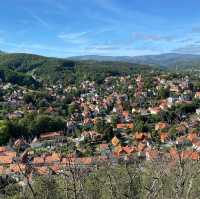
point(168, 60)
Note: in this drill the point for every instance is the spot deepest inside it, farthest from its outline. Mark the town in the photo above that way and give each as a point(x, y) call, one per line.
point(142, 116)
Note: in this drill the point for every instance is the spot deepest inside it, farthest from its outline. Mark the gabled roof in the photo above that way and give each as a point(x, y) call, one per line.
point(161, 125)
point(52, 158)
point(17, 168)
point(49, 135)
point(38, 160)
point(115, 141)
point(41, 170)
point(125, 126)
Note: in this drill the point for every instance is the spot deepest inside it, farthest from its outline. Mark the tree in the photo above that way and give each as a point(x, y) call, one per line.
point(99, 126)
point(163, 93)
point(4, 132)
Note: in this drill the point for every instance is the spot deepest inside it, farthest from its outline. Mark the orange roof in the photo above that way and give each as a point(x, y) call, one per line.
point(141, 146)
point(195, 156)
point(3, 149)
point(161, 125)
point(41, 170)
point(17, 168)
point(115, 141)
point(125, 113)
point(52, 158)
point(129, 149)
point(196, 142)
point(152, 154)
point(192, 136)
point(186, 154)
point(125, 126)
point(118, 150)
point(85, 161)
point(174, 153)
point(38, 160)
point(50, 135)
point(141, 136)
point(2, 170)
point(164, 137)
point(5, 159)
point(55, 168)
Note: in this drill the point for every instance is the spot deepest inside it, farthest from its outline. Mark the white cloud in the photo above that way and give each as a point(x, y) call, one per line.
point(74, 38)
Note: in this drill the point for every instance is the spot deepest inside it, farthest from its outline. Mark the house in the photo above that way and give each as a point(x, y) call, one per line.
point(52, 159)
point(84, 161)
point(197, 95)
point(196, 144)
point(140, 136)
point(152, 154)
point(2, 170)
point(51, 135)
point(174, 153)
point(174, 88)
point(6, 156)
point(93, 135)
point(198, 111)
point(161, 126)
point(141, 146)
point(17, 168)
point(125, 126)
point(192, 136)
point(164, 137)
point(38, 160)
point(115, 141)
point(155, 110)
point(41, 170)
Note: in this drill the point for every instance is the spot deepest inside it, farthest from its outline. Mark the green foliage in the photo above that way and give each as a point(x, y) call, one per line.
point(17, 68)
point(4, 132)
point(31, 125)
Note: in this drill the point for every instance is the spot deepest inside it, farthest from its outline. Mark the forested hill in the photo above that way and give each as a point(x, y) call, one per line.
point(168, 60)
point(23, 68)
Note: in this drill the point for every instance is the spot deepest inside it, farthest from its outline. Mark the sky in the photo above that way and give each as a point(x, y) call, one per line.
point(63, 28)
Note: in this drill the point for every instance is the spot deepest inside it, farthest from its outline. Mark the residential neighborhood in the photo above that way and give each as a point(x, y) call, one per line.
point(123, 119)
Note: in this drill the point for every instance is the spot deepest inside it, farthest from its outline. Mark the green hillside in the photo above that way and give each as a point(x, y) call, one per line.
point(23, 68)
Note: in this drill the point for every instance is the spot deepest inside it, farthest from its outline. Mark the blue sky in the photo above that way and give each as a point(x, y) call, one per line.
point(63, 28)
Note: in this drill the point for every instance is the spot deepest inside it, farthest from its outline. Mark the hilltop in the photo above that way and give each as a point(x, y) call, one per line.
point(169, 60)
point(27, 68)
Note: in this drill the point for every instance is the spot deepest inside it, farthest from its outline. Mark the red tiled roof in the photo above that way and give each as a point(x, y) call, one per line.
point(52, 158)
point(141, 136)
point(103, 146)
point(161, 125)
point(164, 137)
point(174, 153)
point(50, 135)
point(17, 168)
point(141, 147)
point(3, 149)
point(41, 170)
point(192, 136)
point(125, 126)
point(2, 170)
point(152, 154)
point(129, 149)
point(38, 160)
point(84, 161)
